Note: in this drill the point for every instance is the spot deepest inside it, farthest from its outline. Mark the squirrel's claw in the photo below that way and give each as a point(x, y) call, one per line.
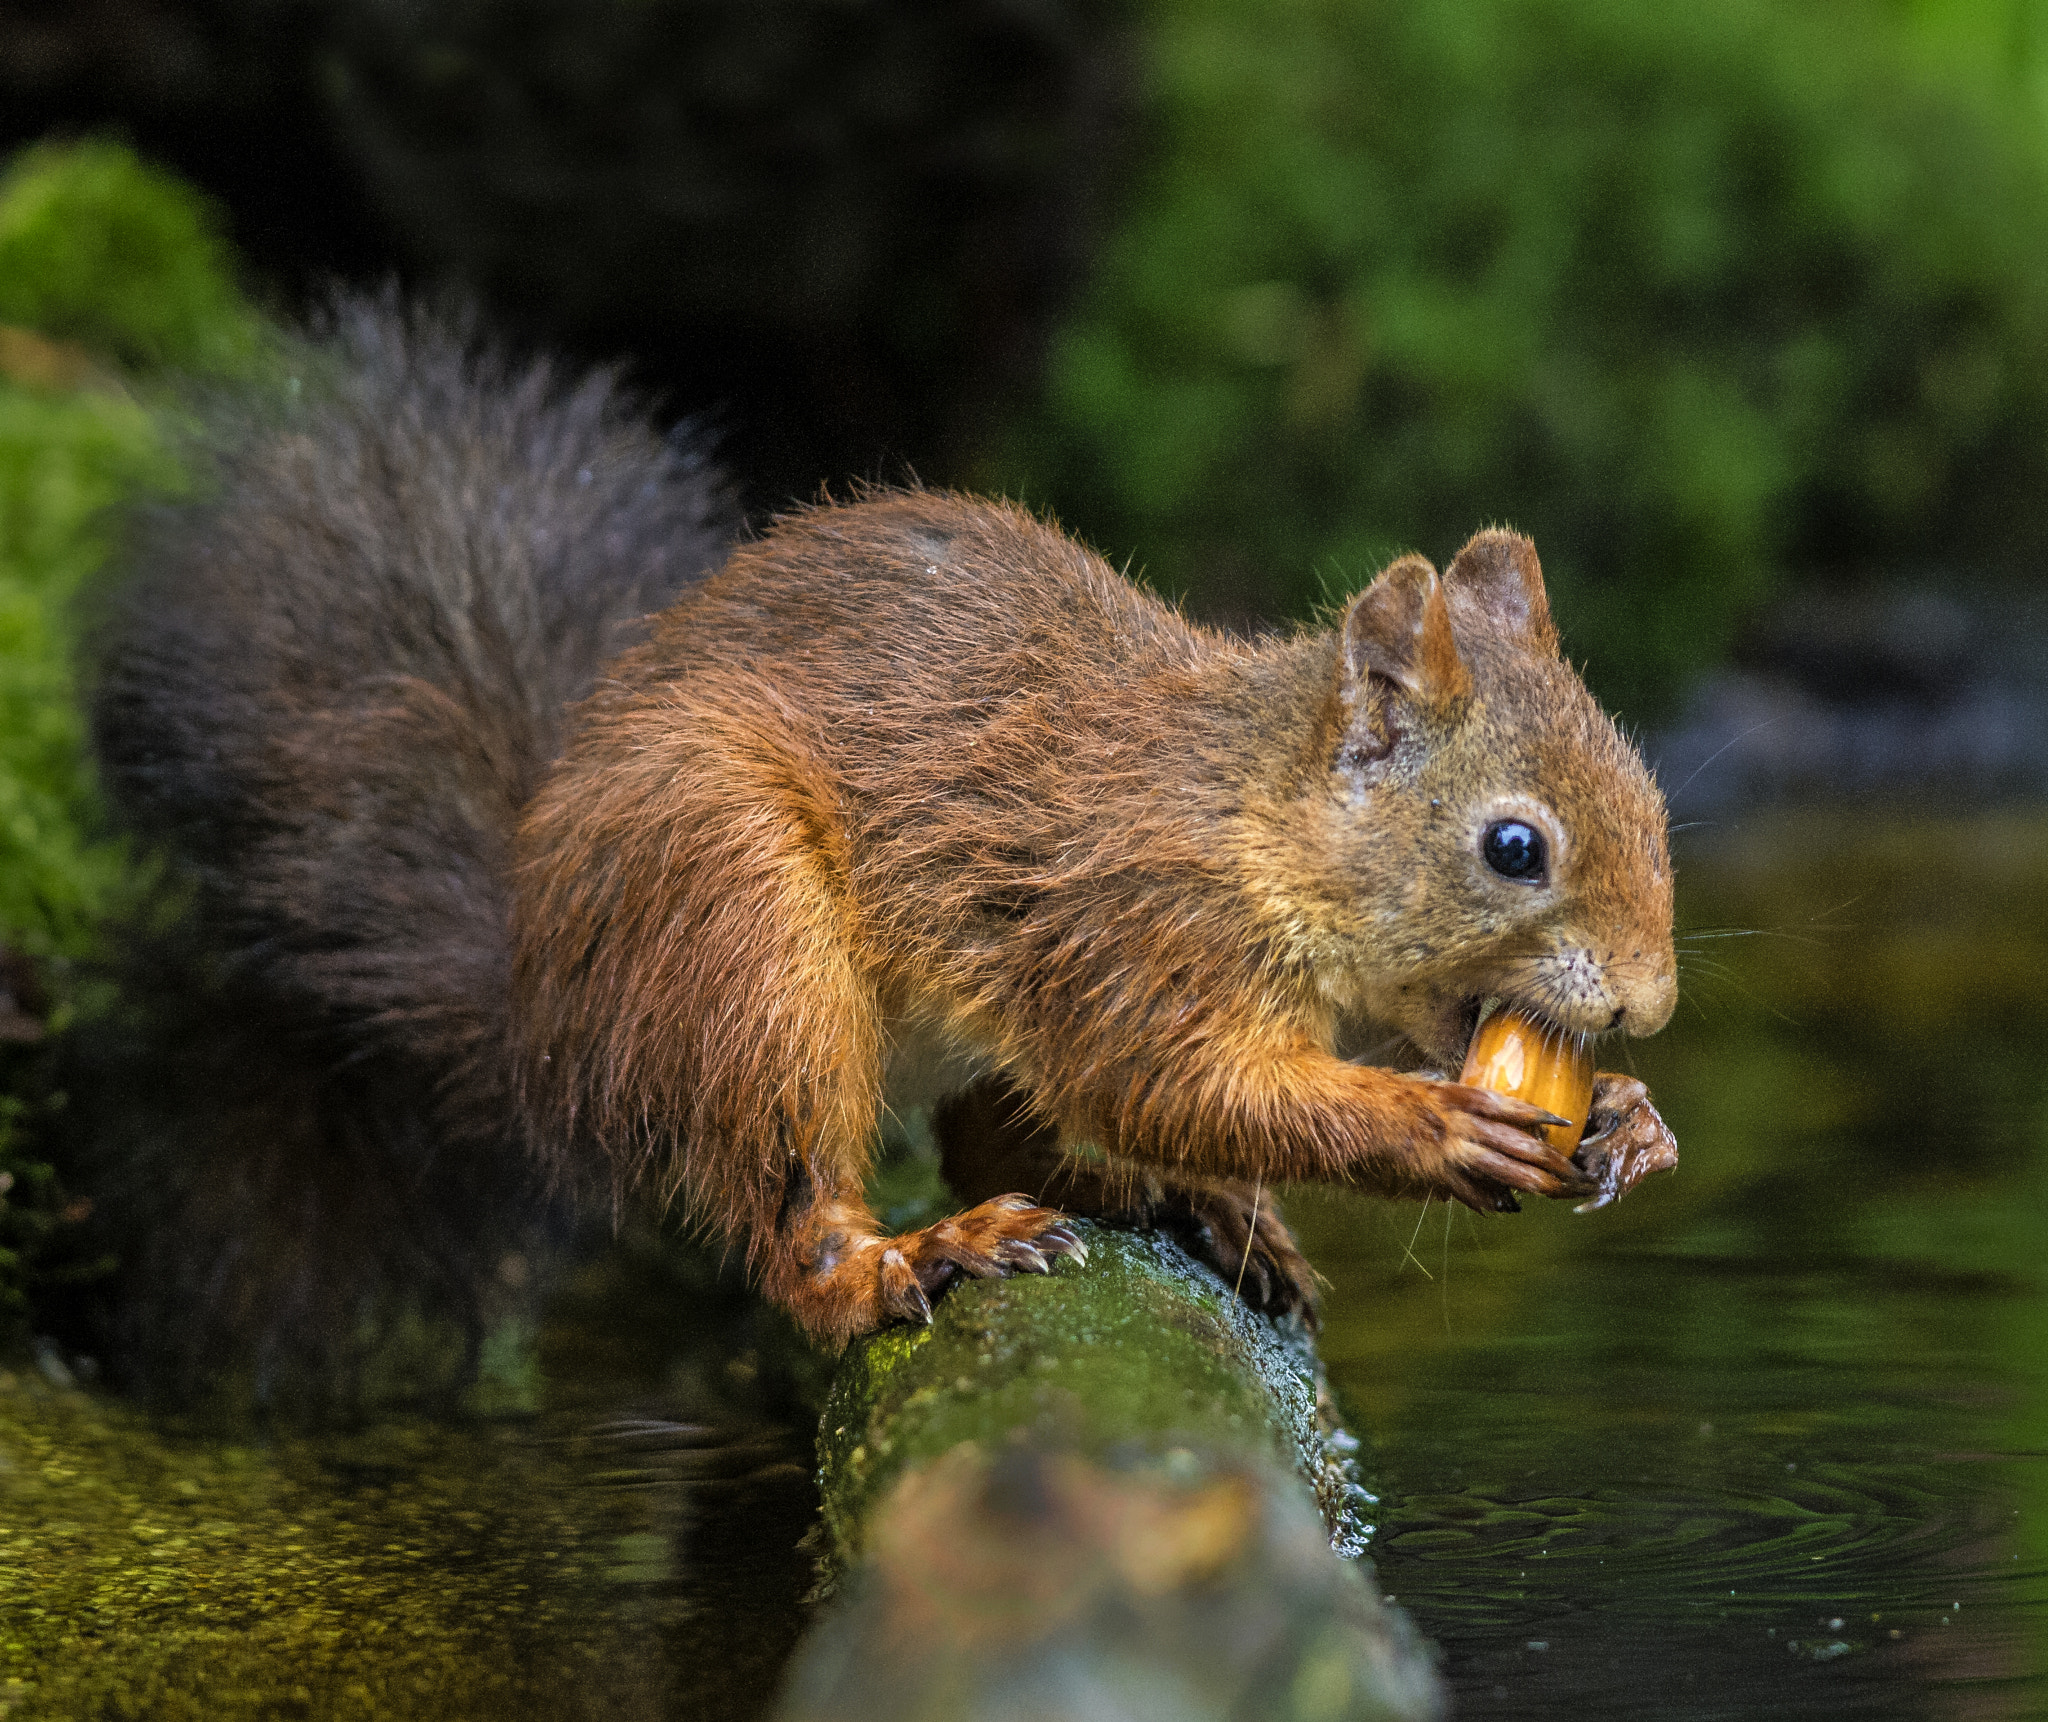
point(1500, 1108)
point(1016, 1253)
point(1062, 1240)
point(902, 1295)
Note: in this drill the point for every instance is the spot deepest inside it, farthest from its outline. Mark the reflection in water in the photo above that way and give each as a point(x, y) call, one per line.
point(705, 1558)
point(626, 1553)
point(1772, 1437)
point(634, 1572)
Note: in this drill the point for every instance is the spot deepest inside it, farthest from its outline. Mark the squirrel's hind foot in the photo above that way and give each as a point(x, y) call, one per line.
point(1237, 1229)
point(989, 1137)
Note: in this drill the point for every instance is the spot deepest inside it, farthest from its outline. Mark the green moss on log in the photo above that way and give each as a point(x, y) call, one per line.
point(1139, 1345)
point(1081, 1495)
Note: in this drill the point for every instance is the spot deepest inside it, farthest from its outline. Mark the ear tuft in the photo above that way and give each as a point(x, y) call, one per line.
point(1399, 627)
point(1498, 575)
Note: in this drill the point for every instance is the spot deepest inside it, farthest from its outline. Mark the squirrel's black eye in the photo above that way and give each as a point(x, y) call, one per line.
point(1513, 849)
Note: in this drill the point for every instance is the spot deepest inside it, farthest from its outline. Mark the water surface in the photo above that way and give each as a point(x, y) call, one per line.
point(1766, 1440)
point(1770, 1438)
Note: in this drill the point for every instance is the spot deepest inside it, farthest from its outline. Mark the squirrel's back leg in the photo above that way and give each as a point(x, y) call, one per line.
point(690, 1001)
point(990, 1139)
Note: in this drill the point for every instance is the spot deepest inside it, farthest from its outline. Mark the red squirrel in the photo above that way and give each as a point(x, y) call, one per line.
point(913, 800)
point(918, 782)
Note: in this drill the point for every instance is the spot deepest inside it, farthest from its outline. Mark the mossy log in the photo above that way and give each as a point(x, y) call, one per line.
point(1113, 1491)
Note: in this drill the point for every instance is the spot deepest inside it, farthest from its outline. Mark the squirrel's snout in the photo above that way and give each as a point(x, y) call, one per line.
point(1595, 992)
point(1644, 1005)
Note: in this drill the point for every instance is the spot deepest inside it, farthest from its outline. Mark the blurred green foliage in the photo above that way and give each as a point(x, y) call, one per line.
point(110, 273)
point(1696, 295)
point(64, 457)
point(98, 249)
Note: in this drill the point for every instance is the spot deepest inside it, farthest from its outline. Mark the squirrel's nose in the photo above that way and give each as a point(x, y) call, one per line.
point(1646, 1004)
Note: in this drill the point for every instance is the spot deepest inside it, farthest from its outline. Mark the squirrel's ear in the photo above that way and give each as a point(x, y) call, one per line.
point(1400, 627)
point(1498, 573)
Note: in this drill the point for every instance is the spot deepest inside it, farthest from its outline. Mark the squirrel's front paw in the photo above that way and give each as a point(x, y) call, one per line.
point(1626, 1140)
point(1487, 1152)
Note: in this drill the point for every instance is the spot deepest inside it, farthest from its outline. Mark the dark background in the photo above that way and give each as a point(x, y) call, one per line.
point(839, 230)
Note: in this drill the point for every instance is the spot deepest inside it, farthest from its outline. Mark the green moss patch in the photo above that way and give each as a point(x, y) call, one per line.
point(413, 1571)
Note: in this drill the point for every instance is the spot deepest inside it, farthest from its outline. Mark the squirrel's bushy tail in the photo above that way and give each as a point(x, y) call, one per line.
point(326, 688)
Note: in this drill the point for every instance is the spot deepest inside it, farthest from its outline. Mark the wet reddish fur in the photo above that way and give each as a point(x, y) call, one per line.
point(925, 759)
